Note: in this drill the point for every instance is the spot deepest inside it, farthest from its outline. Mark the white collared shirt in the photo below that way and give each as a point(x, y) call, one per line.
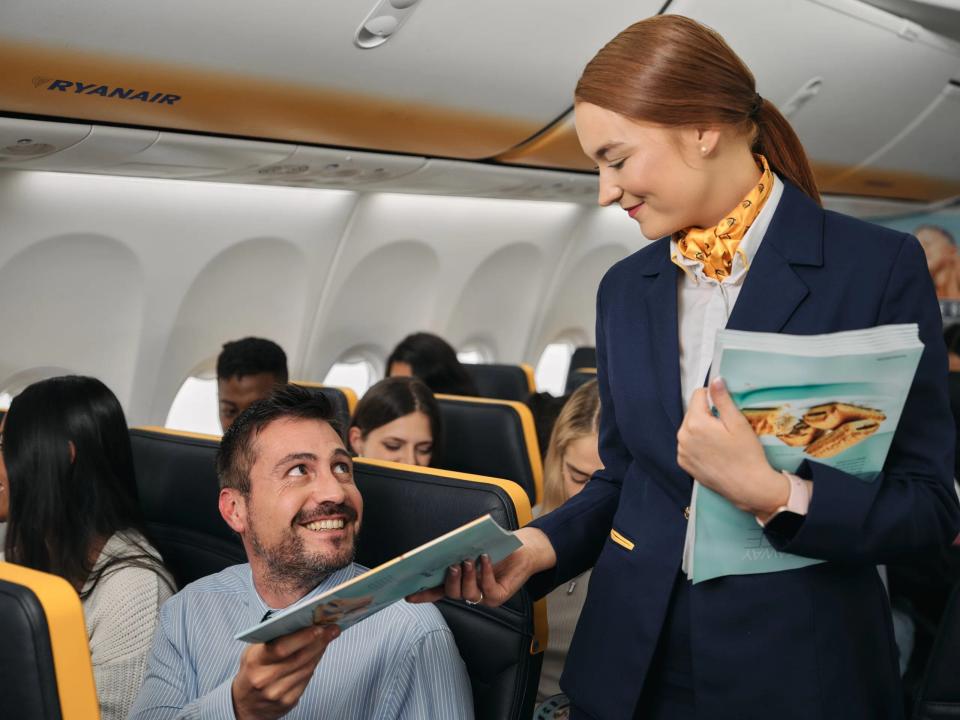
point(704, 305)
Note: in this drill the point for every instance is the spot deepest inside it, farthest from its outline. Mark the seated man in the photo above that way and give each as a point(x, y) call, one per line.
point(287, 489)
point(247, 370)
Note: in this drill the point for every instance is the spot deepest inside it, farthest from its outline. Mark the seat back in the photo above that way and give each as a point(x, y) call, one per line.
point(178, 491)
point(583, 357)
point(578, 377)
point(939, 694)
point(503, 382)
point(495, 438)
point(343, 399)
point(45, 669)
point(406, 506)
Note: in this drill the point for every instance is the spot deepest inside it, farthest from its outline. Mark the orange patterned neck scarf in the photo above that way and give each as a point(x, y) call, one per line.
point(716, 246)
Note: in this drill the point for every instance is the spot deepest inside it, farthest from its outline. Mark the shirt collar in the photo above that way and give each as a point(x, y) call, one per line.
point(747, 248)
point(257, 608)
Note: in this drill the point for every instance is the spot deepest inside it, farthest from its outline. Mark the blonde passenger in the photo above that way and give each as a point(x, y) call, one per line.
point(398, 419)
point(572, 458)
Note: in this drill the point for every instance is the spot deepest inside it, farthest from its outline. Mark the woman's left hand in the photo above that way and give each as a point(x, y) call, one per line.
point(724, 454)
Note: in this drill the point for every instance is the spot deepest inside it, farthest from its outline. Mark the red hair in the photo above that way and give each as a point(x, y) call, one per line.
point(671, 70)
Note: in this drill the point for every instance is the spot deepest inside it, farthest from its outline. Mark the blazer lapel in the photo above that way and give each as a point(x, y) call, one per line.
point(772, 289)
point(661, 305)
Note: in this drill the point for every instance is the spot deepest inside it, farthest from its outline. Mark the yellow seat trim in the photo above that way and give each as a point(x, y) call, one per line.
point(620, 539)
point(529, 434)
point(521, 502)
point(531, 378)
point(585, 371)
point(68, 639)
point(177, 433)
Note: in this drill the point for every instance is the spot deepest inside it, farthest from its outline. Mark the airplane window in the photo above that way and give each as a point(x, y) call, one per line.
point(472, 355)
point(195, 407)
point(358, 374)
point(5, 399)
point(551, 372)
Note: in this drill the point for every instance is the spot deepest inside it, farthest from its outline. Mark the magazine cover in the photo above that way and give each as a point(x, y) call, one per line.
point(837, 404)
point(421, 568)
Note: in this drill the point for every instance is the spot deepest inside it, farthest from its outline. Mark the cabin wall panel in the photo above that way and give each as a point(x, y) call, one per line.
point(462, 234)
point(605, 236)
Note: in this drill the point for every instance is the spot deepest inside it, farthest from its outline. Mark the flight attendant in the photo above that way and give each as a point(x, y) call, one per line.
point(698, 159)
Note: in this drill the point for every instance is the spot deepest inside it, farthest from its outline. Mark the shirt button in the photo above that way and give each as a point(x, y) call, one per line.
point(686, 513)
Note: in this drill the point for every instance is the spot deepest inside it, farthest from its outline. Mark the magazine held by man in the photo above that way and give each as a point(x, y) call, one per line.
point(421, 568)
point(834, 399)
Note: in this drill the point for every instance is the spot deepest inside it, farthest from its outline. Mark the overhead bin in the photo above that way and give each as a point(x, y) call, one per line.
point(459, 80)
point(921, 162)
point(851, 77)
point(876, 72)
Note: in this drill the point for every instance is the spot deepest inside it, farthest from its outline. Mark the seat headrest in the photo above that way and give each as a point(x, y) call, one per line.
point(495, 438)
point(342, 399)
point(578, 377)
point(504, 382)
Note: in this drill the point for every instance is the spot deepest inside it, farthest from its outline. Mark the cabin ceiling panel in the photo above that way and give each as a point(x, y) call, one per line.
point(458, 79)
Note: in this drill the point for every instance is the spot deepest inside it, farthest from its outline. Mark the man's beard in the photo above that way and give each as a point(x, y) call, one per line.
point(288, 563)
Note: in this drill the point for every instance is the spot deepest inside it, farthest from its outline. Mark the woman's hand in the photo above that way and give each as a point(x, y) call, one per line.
point(724, 454)
point(491, 584)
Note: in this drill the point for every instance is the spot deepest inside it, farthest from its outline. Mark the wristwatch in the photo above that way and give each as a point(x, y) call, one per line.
point(798, 501)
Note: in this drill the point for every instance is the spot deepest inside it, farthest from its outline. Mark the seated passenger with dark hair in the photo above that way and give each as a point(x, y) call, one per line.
point(287, 488)
point(432, 360)
point(398, 419)
point(247, 370)
point(67, 470)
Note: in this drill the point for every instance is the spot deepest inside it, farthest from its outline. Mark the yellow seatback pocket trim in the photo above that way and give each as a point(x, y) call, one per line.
point(620, 539)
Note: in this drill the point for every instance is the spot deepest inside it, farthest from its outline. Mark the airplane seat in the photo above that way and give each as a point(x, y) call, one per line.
point(406, 506)
point(178, 491)
point(939, 694)
point(45, 667)
point(578, 377)
point(343, 399)
point(584, 357)
point(495, 438)
point(502, 382)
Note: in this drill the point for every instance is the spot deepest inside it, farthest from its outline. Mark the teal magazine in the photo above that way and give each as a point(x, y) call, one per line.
point(421, 568)
point(833, 399)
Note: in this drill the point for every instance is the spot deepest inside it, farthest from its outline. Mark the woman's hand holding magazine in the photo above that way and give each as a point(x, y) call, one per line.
point(493, 585)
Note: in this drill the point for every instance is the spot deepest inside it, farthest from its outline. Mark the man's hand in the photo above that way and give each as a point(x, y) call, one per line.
point(494, 585)
point(273, 675)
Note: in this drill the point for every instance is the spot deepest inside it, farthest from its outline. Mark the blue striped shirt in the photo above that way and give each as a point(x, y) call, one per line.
point(399, 663)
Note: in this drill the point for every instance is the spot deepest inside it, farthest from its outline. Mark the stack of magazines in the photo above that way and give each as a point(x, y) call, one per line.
point(833, 399)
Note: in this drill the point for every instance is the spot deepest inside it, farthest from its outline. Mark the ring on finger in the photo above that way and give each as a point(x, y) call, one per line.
point(474, 602)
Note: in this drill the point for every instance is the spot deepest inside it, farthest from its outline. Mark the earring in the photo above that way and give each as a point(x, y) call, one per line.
point(703, 149)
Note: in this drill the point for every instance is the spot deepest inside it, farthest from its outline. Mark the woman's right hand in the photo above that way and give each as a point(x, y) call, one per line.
point(493, 585)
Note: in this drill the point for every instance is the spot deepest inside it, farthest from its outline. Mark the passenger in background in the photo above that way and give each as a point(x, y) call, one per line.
point(572, 458)
point(942, 260)
point(247, 370)
point(431, 359)
point(68, 468)
point(286, 487)
point(398, 420)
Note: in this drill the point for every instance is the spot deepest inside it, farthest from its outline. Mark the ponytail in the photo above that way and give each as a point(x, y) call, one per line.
point(779, 144)
point(670, 70)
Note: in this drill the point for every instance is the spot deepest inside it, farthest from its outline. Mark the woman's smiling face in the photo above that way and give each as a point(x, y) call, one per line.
point(655, 173)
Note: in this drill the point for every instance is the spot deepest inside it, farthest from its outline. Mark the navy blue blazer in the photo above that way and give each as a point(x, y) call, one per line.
point(811, 644)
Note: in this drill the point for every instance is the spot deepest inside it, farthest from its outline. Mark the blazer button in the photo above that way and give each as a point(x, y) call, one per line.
point(686, 513)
